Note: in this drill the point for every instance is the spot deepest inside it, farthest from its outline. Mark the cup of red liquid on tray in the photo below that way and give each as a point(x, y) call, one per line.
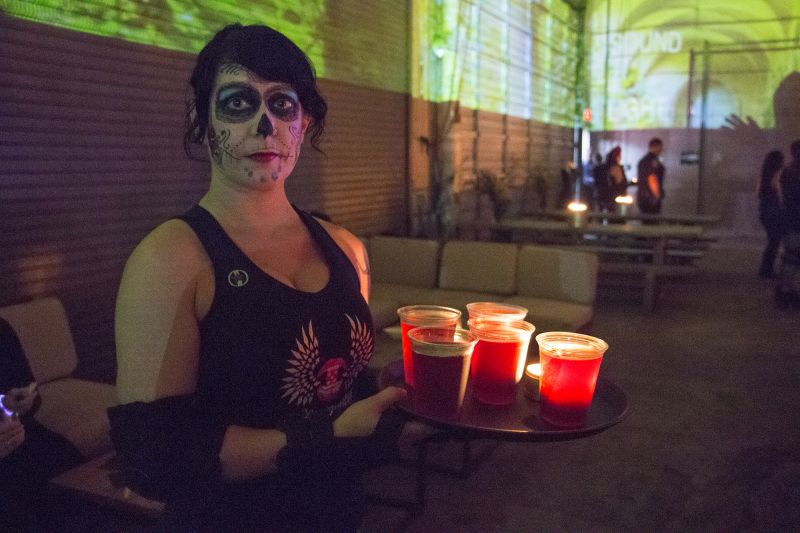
point(498, 310)
point(570, 365)
point(498, 361)
point(441, 359)
point(413, 316)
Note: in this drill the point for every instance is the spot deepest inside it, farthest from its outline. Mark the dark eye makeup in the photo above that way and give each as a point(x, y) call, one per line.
point(238, 102)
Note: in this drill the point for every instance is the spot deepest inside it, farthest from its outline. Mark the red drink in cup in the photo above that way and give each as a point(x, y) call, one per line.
point(498, 361)
point(441, 369)
point(497, 310)
point(570, 366)
point(414, 316)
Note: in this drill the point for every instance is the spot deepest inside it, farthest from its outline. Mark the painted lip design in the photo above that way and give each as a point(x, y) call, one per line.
point(263, 157)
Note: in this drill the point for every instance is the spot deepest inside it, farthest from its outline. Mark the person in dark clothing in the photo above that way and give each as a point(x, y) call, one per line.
point(30, 454)
point(650, 172)
point(770, 205)
point(787, 292)
point(242, 327)
point(610, 181)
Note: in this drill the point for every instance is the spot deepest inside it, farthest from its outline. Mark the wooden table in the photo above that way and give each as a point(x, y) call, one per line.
point(648, 250)
point(680, 219)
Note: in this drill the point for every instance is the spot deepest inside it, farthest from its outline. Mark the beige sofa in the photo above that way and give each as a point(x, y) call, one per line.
point(556, 285)
point(73, 407)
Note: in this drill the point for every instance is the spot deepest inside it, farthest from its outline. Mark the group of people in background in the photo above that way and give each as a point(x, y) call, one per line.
point(779, 213)
point(610, 181)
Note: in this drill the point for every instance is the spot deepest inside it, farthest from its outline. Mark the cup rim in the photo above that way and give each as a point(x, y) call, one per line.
point(544, 340)
point(509, 330)
point(474, 307)
point(461, 340)
point(434, 321)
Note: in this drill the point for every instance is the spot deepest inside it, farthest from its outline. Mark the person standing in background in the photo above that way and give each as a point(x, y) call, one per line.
point(770, 204)
point(787, 292)
point(650, 172)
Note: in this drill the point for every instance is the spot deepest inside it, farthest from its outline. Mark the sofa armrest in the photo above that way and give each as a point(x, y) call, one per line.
point(43, 331)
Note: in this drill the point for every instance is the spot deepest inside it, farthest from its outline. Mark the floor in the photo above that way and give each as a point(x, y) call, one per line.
point(711, 441)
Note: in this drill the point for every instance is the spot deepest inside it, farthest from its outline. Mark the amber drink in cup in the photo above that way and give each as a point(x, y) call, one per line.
point(441, 359)
point(414, 316)
point(570, 366)
point(499, 358)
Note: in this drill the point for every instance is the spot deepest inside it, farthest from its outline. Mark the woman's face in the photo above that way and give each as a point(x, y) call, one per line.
point(255, 129)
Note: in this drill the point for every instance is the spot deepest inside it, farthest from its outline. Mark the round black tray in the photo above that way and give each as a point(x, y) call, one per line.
point(519, 420)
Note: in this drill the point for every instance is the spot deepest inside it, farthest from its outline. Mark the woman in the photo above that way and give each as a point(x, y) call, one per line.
point(769, 209)
point(242, 326)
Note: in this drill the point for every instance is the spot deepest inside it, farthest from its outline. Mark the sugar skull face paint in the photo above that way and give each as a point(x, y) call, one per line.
point(256, 128)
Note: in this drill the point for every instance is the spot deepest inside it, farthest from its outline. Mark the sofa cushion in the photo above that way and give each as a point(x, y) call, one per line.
point(479, 267)
point(401, 294)
point(76, 408)
point(384, 311)
point(43, 330)
point(404, 261)
point(554, 315)
point(557, 274)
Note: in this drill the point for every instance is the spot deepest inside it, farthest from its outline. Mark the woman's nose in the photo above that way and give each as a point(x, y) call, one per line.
point(264, 126)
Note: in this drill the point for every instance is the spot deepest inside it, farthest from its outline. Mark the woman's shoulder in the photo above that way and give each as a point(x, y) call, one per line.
point(170, 246)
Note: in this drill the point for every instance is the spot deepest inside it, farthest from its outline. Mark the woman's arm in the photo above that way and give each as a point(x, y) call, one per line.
point(166, 288)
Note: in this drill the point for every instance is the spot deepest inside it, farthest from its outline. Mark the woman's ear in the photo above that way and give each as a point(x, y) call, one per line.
point(306, 123)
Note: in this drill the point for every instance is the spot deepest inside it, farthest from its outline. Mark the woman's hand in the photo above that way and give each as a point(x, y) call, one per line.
point(20, 400)
point(12, 434)
point(360, 419)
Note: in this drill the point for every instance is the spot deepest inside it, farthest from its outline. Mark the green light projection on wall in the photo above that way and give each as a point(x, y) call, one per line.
point(640, 60)
point(182, 25)
point(514, 57)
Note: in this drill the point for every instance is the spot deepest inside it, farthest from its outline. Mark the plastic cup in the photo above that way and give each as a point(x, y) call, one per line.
point(496, 310)
point(441, 369)
point(414, 316)
point(499, 358)
point(570, 365)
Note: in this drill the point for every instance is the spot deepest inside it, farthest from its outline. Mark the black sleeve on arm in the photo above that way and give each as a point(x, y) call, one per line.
point(168, 448)
point(14, 368)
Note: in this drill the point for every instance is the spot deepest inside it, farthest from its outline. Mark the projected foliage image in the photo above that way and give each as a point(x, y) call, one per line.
point(641, 74)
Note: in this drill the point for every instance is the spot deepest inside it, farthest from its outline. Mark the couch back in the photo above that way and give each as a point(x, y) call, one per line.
point(557, 273)
point(404, 261)
point(43, 331)
point(479, 267)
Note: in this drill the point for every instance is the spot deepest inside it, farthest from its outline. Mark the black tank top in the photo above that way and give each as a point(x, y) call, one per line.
point(270, 352)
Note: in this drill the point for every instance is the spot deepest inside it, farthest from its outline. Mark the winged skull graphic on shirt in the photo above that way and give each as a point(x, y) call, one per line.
point(308, 378)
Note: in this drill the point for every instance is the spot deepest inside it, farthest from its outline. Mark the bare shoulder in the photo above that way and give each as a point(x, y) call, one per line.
point(170, 247)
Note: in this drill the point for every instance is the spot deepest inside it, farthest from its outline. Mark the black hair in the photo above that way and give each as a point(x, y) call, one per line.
point(264, 51)
point(655, 141)
point(773, 162)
